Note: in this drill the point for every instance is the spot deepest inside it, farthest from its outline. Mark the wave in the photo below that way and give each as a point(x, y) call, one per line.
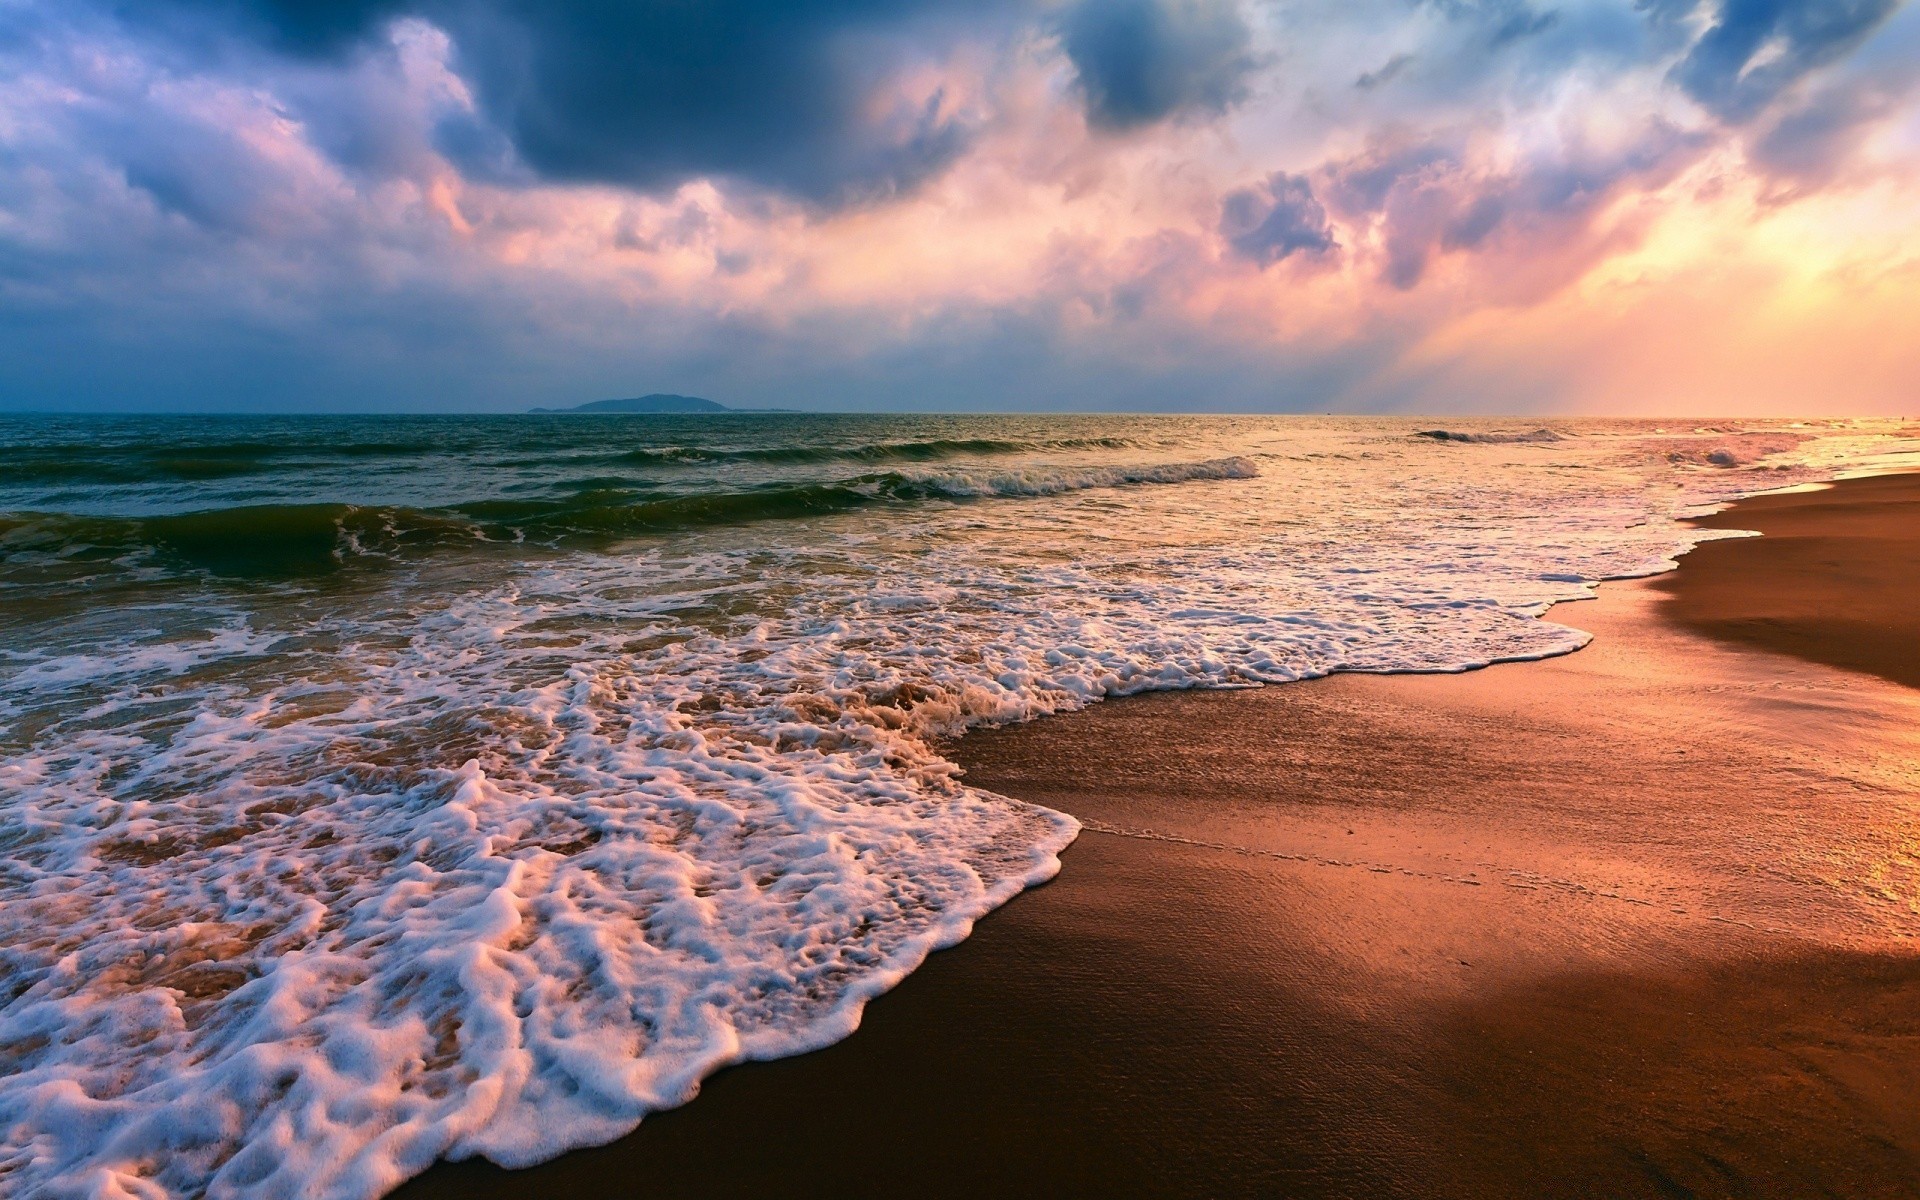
point(1742, 453)
point(291, 540)
point(1494, 438)
point(188, 462)
point(1048, 481)
point(914, 451)
point(251, 541)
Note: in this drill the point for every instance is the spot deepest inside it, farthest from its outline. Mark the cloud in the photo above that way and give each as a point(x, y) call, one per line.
point(800, 97)
point(1422, 199)
point(1274, 220)
point(793, 96)
point(1821, 136)
point(500, 202)
point(1810, 144)
point(1756, 49)
point(1523, 22)
point(1140, 62)
point(1384, 74)
point(300, 28)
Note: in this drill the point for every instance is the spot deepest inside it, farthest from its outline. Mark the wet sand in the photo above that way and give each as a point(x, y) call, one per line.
point(1637, 921)
point(1841, 569)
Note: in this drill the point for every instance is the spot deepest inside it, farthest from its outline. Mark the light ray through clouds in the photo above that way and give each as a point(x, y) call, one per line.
point(1505, 205)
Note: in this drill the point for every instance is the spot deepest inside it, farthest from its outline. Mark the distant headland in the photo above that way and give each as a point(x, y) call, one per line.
point(656, 402)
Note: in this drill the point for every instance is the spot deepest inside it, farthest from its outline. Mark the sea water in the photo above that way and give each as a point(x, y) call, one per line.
point(375, 790)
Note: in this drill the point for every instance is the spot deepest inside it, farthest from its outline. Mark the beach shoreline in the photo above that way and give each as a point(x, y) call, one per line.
point(1838, 562)
point(1628, 921)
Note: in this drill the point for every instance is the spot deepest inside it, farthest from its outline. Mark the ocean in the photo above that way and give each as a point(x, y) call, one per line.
point(383, 789)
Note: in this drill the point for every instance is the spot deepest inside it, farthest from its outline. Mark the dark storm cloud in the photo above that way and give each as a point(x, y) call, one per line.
point(1274, 220)
point(768, 91)
point(303, 28)
point(1142, 61)
point(1758, 48)
point(784, 95)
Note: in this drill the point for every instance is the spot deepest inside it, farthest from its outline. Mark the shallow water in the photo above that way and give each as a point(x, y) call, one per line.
point(379, 789)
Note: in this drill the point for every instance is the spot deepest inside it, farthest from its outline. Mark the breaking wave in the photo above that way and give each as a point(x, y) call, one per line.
point(303, 539)
point(904, 451)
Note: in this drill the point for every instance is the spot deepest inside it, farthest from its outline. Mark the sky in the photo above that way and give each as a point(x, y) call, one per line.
point(1498, 206)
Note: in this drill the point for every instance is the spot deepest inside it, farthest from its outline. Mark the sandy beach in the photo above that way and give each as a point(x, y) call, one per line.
point(1635, 921)
point(1832, 580)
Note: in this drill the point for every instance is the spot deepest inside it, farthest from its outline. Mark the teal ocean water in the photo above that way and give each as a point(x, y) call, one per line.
point(273, 497)
point(377, 789)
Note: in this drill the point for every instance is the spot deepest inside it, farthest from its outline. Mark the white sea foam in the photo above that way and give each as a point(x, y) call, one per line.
point(304, 898)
